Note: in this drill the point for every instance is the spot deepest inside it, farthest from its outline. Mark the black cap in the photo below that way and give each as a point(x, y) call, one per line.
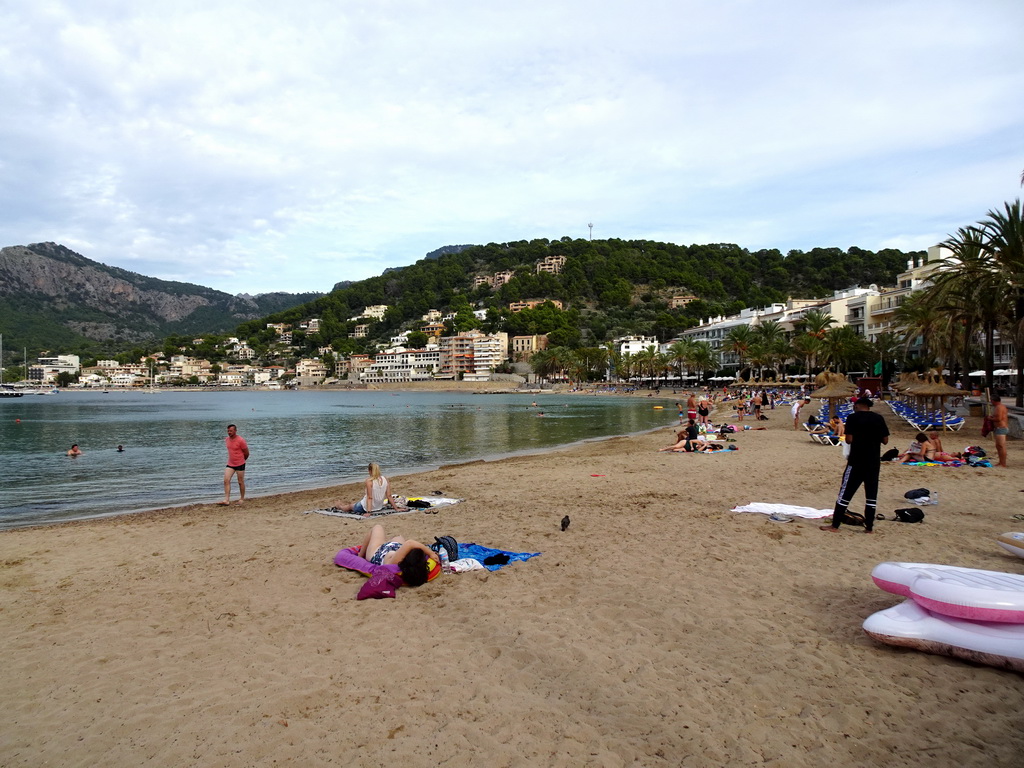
point(863, 401)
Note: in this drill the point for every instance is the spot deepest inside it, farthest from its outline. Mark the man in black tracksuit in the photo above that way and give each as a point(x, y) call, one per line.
point(866, 432)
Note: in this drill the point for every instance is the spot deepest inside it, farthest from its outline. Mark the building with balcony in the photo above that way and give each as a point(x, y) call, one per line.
point(552, 264)
point(402, 366)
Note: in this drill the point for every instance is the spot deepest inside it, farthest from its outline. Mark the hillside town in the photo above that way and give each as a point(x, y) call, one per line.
point(473, 355)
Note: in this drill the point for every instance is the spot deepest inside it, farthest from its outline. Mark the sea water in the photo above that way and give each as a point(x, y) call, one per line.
point(174, 450)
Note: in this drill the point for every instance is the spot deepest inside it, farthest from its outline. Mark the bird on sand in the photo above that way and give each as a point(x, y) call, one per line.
point(565, 522)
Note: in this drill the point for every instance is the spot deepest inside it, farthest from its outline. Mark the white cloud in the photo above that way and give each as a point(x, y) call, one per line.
point(253, 146)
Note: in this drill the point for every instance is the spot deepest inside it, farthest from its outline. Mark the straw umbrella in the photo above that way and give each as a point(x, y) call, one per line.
point(834, 387)
point(934, 391)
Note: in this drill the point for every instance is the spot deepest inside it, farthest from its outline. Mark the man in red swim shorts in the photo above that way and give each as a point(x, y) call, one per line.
point(238, 454)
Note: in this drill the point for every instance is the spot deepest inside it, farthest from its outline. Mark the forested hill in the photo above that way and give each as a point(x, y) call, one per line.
point(608, 286)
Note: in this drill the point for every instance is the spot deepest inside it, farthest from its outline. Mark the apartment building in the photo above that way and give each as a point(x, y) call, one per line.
point(552, 264)
point(402, 366)
point(489, 352)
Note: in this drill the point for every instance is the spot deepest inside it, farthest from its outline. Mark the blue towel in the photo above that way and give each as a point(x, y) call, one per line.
point(479, 552)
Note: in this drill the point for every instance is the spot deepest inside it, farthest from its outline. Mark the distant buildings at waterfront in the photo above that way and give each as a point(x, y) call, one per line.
point(473, 355)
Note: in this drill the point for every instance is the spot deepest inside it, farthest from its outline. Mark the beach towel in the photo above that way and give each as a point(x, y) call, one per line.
point(434, 501)
point(497, 557)
point(384, 580)
point(789, 510)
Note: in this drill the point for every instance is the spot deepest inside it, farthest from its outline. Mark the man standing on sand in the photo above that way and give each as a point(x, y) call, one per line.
point(1000, 428)
point(238, 454)
point(866, 432)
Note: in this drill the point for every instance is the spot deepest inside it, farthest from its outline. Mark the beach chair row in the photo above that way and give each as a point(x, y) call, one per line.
point(926, 420)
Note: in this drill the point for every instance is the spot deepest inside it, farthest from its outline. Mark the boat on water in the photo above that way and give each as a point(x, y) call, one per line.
point(5, 392)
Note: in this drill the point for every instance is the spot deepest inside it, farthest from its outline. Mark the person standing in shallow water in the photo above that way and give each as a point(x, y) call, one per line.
point(866, 432)
point(238, 454)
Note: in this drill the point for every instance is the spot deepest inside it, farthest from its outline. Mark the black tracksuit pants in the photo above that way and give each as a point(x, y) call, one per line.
point(855, 476)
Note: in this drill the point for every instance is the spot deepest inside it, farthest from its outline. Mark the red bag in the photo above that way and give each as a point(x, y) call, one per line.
point(986, 426)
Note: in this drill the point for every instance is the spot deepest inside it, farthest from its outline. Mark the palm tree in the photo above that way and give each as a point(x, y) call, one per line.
point(886, 346)
point(815, 323)
point(844, 349)
point(681, 354)
point(544, 363)
point(808, 346)
point(703, 358)
point(625, 366)
point(918, 322)
point(738, 342)
point(1004, 240)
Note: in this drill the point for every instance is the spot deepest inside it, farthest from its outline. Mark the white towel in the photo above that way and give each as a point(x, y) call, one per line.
point(464, 564)
point(762, 508)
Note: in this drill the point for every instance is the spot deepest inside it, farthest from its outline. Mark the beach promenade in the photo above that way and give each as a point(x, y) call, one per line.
point(660, 629)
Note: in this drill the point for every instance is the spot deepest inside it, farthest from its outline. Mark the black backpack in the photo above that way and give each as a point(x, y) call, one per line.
point(917, 493)
point(909, 515)
point(891, 454)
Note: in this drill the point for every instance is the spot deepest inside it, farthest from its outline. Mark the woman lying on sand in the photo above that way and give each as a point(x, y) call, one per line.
point(416, 561)
point(687, 440)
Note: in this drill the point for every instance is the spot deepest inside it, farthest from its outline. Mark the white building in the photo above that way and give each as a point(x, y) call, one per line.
point(489, 352)
point(402, 366)
point(634, 344)
point(46, 369)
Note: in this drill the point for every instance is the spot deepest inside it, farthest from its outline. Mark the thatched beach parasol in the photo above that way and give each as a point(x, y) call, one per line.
point(931, 390)
point(833, 386)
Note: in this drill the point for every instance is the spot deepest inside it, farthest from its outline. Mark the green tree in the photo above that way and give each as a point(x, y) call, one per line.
point(417, 339)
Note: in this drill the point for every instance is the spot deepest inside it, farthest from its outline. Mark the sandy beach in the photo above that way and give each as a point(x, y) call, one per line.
point(660, 629)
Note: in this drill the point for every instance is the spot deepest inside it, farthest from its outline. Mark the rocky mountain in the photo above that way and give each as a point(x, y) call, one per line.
point(53, 298)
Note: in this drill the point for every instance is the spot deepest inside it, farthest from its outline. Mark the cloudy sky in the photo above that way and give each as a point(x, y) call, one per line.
point(254, 146)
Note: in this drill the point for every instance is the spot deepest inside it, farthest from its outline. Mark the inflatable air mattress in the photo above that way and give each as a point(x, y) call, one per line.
point(911, 626)
point(963, 593)
point(1012, 543)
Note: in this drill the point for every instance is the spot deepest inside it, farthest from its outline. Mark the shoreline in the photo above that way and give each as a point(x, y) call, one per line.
point(659, 629)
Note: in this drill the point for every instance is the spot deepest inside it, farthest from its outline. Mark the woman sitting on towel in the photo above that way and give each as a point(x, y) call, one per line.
point(417, 562)
point(920, 450)
point(378, 490)
point(941, 454)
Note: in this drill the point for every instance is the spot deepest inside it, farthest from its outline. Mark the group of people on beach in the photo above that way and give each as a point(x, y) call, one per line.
point(417, 563)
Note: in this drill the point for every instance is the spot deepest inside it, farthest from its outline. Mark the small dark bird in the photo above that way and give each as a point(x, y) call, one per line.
point(565, 522)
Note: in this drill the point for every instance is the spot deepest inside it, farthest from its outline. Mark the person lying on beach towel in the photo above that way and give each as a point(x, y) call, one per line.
point(716, 448)
point(417, 563)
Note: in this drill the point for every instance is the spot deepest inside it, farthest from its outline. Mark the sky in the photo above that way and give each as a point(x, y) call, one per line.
point(254, 146)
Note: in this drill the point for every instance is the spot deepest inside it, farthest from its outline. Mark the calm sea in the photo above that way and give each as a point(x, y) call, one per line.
point(174, 441)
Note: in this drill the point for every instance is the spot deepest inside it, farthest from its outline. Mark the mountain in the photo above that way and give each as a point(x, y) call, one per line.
point(53, 298)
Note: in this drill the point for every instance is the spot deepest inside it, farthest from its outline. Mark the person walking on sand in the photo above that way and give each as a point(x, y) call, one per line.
point(866, 432)
point(1000, 428)
point(238, 454)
